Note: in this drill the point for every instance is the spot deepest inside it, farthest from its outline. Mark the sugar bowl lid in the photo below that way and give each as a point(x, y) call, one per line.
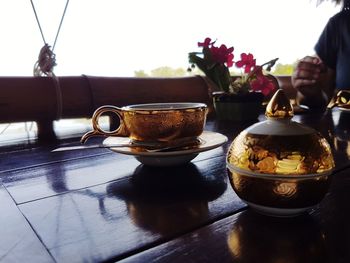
point(280, 145)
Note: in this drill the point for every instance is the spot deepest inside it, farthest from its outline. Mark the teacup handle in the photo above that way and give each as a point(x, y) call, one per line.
point(96, 129)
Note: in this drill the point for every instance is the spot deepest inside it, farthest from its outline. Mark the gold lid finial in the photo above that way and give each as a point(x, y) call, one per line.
point(279, 106)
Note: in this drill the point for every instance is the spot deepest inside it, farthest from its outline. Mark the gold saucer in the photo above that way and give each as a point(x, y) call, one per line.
point(208, 141)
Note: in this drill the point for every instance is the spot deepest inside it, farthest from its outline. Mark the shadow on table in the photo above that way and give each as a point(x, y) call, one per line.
point(168, 200)
point(258, 238)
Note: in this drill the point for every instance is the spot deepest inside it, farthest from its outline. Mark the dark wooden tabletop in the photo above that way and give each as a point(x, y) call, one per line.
point(97, 206)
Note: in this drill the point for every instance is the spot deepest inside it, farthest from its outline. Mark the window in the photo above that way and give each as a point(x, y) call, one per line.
point(153, 37)
point(117, 38)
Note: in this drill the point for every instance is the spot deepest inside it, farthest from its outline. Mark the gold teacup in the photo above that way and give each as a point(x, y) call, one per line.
point(154, 123)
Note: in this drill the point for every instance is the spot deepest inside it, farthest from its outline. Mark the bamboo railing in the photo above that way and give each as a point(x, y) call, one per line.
point(36, 99)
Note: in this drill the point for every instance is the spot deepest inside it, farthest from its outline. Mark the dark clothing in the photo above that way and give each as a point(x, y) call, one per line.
point(333, 47)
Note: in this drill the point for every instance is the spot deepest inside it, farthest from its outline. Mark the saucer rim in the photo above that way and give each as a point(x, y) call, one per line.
point(222, 139)
point(343, 109)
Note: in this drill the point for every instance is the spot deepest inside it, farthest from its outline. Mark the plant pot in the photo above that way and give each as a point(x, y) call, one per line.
point(237, 107)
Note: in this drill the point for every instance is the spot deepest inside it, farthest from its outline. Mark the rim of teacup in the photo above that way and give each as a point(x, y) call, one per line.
point(165, 106)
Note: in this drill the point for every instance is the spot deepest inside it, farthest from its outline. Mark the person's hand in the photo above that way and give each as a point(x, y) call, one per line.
point(306, 74)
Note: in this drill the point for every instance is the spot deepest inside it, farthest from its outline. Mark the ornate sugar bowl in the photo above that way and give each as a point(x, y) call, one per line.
point(280, 167)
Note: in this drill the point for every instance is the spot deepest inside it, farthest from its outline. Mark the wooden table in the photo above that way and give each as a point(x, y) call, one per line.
point(96, 205)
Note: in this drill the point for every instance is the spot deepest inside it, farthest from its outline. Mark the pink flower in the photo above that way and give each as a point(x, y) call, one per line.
point(222, 55)
point(247, 62)
point(214, 61)
point(206, 43)
point(229, 61)
point(262, 83)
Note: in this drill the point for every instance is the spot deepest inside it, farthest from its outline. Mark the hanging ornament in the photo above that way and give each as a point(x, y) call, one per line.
point(47, 58)
point(46, 62)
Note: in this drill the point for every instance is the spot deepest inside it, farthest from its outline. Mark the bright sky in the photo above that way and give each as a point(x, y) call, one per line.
point(115, 38)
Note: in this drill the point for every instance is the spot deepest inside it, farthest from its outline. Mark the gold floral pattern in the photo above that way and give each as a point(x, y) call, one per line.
point(268, 154)
point(286, 189)
point(267, 165)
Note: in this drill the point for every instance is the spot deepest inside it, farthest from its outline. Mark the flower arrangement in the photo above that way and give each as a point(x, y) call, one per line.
point(215, 62)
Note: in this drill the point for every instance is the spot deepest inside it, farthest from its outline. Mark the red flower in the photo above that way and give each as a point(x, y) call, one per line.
point(229, 61)
point(206, 43)
point(261, 82)
point(247, 62)
point(214, 61)
point(222, 55)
